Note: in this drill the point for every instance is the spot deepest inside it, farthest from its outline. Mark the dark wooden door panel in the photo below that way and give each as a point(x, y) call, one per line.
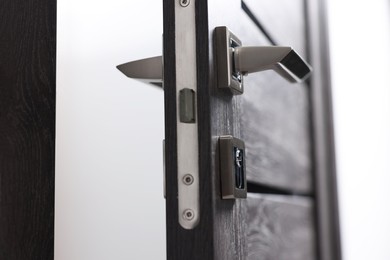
point(274, 118)
point(27, 128)
point(283, 20)
point(280, 227)
point(275, 126)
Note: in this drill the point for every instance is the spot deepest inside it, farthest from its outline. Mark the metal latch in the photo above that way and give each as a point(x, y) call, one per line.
point(235, 61)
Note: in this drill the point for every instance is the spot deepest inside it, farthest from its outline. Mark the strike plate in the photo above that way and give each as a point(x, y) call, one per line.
point(187, 125)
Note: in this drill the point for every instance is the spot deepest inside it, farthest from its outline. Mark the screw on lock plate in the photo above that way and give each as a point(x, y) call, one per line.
point(232, 165)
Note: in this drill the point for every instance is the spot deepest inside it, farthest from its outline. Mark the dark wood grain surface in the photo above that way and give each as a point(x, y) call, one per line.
point(276, 130)
point(280, 227)
point(27, 128)
point(229, 220)
point(283, 20)
point(275, 118)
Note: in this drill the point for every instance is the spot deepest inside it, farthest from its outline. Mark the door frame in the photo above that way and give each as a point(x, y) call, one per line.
point(27, 128)
point(325, 174)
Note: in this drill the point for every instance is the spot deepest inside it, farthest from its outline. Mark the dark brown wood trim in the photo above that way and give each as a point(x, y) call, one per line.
point(27, 128)
point(328, 227)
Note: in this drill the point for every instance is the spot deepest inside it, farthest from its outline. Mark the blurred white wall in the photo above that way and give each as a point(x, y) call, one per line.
point(360, 52)
point(109, 197)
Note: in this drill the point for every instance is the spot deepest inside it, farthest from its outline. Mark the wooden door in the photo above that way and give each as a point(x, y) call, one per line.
point(27, 128)
point(291, 208)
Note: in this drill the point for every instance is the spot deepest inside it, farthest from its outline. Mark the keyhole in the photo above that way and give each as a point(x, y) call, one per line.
point(238, 168)
point(238, 157)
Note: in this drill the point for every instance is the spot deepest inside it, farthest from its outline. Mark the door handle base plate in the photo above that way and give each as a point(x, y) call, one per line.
point(228, 78)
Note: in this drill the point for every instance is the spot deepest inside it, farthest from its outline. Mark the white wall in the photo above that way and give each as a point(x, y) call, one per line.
point(360, 49)
point(109, 198)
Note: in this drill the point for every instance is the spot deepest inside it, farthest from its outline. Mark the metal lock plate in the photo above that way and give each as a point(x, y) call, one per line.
point(228, 77)
point(232, 165)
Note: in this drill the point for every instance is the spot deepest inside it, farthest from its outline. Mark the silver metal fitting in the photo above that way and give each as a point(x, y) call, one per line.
point(184, 3)
point(188, 179)
point(188, 214)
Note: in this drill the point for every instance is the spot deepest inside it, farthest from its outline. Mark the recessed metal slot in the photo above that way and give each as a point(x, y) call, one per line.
point(232, 165)
point(238, 155)
point(187, 105)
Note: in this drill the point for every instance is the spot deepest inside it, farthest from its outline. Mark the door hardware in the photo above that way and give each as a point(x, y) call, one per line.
point(232, 166)
point(187, 105)
point(235, 61)
point(150, 71)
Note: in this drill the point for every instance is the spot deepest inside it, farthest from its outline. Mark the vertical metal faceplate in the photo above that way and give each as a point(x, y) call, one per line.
point(187, 132)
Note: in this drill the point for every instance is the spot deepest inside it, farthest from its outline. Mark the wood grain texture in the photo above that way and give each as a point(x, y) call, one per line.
point(275, 122)
point(280, 227)
point(283, 20)
point(276, 130)
point(274, 119)
point(221, 231)
point(27, 128)
point(229, 220)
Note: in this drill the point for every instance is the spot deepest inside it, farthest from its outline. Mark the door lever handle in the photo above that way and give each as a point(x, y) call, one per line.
point(234, 61)
point(149, 70)
point(284, 60)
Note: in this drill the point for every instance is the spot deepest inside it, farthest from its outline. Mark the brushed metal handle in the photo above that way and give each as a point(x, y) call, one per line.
point(235, 61)
point(149, 70)
point(283, 60)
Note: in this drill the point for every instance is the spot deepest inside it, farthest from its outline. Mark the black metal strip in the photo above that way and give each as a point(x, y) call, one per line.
point(263, 189)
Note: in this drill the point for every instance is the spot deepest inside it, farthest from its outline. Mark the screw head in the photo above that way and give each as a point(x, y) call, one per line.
point(188, 179)
point(184, 3)
point(188, 214)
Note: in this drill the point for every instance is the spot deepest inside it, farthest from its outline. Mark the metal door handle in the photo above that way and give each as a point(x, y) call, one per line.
point(283, 60)
point(234, 61)
point(149, 70)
